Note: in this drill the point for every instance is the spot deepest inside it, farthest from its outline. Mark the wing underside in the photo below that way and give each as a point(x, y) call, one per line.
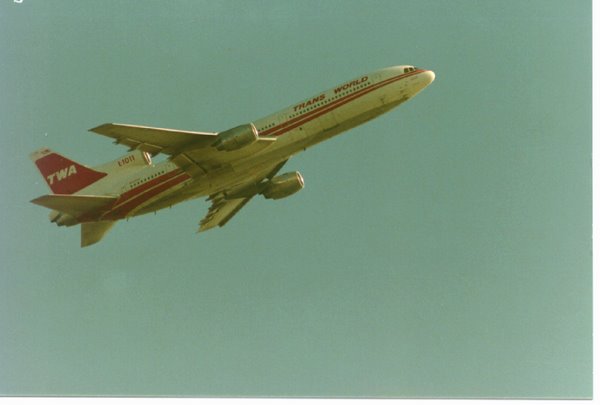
point(224, 207)
point(221, 211)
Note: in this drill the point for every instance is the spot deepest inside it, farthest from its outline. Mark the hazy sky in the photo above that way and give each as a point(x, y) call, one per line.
point(442, 250)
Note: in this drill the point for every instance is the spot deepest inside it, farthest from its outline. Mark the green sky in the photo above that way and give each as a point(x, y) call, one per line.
point(442, 250)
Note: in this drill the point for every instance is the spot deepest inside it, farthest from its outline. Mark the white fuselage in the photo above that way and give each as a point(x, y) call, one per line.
point(150, 187)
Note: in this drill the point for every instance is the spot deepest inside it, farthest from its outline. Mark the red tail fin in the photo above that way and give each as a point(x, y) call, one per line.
point(63, 175)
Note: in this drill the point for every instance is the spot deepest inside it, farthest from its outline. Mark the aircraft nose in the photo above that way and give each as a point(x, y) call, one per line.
point(428, 77)
point(422, 80)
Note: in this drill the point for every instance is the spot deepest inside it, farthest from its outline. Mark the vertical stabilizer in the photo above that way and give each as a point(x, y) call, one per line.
point(63, 175)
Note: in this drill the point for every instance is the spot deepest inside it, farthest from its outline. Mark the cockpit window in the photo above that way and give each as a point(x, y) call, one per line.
point(409, 69)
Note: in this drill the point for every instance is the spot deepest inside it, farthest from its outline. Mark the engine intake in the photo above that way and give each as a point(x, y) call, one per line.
point(283, 186)
point(236, 138)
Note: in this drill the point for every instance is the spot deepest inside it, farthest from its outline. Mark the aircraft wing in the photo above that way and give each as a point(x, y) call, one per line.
point(191, 151)
point(221, 211)
point(226, 204)
point(155, 140)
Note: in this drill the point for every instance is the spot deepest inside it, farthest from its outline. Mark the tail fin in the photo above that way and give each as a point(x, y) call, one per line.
point(63, 175)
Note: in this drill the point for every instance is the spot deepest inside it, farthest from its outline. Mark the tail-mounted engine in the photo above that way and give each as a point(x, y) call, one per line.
point(236, 138)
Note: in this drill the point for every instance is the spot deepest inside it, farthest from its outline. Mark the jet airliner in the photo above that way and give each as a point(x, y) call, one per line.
point(229, 167)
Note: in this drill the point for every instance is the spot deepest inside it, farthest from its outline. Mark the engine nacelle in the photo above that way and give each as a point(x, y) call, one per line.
point(236, 138)
point(283, 186)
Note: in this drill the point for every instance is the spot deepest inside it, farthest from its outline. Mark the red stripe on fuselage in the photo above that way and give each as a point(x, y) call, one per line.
point(135, 197)
point(143, 187)
point(128, 196)
point(121, 210)
point(310, 115)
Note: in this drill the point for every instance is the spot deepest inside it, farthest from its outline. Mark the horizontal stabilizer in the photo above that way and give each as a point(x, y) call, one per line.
point(92, 232)
point(74, 205)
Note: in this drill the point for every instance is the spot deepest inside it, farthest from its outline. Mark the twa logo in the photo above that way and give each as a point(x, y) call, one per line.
point(61, 174)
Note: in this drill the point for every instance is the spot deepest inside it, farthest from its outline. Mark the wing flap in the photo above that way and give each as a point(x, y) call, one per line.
point(221, 211)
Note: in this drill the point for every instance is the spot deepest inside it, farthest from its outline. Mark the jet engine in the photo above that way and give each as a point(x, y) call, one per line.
point(283, 186)
point(236, 138)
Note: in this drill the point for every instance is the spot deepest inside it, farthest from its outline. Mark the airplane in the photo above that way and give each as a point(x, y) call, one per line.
point(230, 167)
